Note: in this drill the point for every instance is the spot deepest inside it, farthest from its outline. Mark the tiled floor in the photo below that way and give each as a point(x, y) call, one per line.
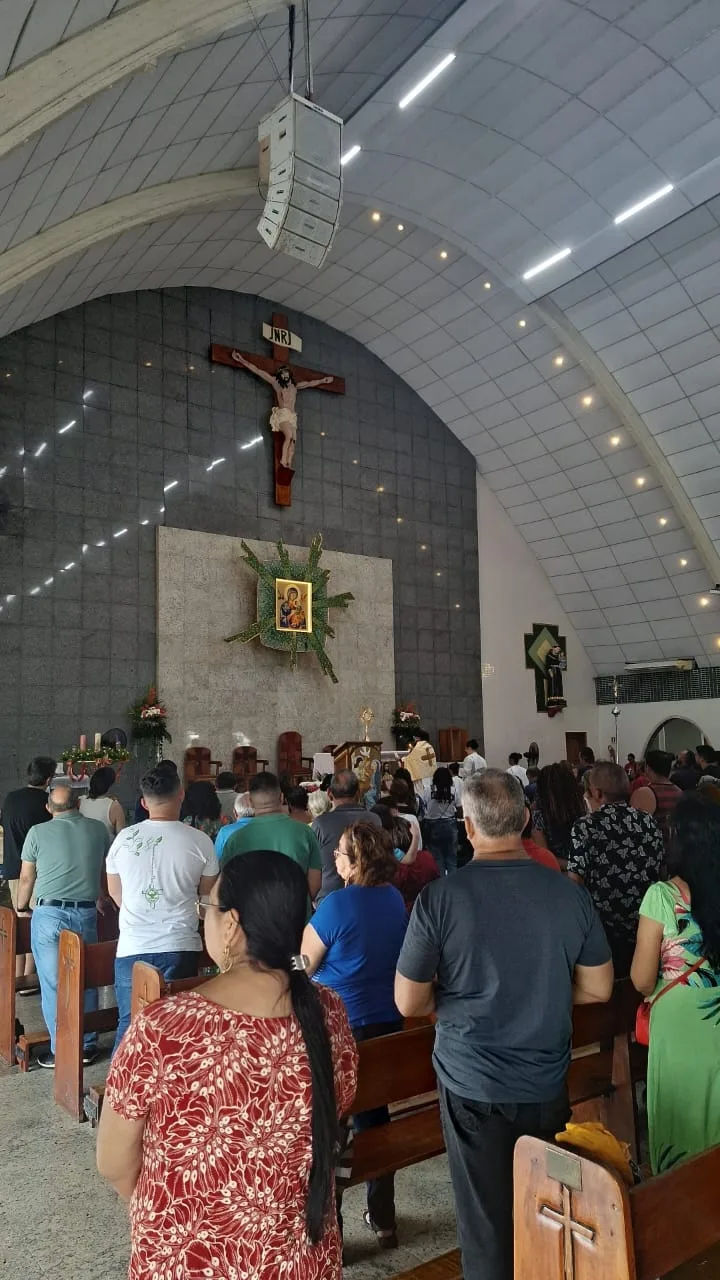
point(58, 1219)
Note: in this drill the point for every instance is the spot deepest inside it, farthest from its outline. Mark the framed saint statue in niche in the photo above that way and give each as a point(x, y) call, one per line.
point(293, 605)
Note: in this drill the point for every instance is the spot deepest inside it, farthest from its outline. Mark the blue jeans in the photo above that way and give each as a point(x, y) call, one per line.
point(172, 964)
point(45, 928)
point(441, 838)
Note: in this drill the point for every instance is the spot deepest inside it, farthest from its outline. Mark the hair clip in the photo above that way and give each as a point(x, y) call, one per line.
point(299, 963)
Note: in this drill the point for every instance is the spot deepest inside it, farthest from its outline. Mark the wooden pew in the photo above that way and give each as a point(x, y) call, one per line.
point(14, 941)
point(576, 1220)
point(82, 966)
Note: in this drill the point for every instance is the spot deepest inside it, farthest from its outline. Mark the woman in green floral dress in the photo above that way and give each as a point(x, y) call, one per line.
point(679, 927)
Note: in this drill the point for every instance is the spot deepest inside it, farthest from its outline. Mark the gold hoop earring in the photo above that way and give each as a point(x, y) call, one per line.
point(227, 963)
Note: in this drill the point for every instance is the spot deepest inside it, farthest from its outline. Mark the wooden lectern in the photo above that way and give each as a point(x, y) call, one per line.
point(360, 757)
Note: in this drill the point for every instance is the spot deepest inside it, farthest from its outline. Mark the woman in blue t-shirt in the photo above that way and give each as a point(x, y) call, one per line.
point(352, 943)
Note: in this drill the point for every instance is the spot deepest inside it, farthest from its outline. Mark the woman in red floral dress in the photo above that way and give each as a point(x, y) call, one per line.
point(221, 1109)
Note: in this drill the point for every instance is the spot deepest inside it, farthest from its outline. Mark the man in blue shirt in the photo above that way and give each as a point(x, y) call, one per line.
point(244, 813)
point(501, 950)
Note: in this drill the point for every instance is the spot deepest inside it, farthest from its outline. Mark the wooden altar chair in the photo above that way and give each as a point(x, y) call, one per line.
point(290, 759)
point(245, 765)
point(451, 744)
point(199, 767)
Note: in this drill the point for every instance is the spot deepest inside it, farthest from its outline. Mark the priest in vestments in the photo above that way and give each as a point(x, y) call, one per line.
point(421, 763)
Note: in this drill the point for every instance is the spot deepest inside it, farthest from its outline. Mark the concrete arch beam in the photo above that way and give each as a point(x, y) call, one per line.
point(36, 95)
point(152, 204)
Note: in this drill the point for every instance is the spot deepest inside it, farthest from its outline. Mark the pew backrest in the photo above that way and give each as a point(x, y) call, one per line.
point(149, 985)
point(81, 966)
point(395, 1068)
point(576, 1217)
point(14, 941)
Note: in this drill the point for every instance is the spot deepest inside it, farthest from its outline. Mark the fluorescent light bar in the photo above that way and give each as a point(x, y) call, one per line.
point(119, 533)
point(71, 565)
point(546, 262)
point(426, 80)
point(144, 521)
point(215, 463)
point(85, 546)
point(171, 485)
point(250, 443)
point(87, 395)
point(643, 204)
point(2, 472)
point(9, 599)
point(40, 449)
point(35, 591)
point(351, 154)
point(99, 544)
point(62, 430)
point(48, 581)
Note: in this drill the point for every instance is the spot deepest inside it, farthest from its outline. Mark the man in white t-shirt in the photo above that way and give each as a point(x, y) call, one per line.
point(473, 762)
point(516, 769)
point(156, 871)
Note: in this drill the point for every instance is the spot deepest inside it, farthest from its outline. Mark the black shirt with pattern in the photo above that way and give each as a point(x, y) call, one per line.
point(619, 853)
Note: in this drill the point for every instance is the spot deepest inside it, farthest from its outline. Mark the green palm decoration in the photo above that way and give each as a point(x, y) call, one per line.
point(286, 569)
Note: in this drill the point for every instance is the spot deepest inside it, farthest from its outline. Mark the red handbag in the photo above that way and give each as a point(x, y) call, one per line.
point(642, 1017)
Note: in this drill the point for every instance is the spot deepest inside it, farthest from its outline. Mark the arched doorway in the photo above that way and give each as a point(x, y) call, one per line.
point(675, 734)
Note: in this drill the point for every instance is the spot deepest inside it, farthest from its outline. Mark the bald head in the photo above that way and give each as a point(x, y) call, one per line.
point(62, 799)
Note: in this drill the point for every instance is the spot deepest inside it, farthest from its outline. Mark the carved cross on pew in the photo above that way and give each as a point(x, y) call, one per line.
point(4, 937)
point(286, 379)
point(69, 965)
point(564, 1219)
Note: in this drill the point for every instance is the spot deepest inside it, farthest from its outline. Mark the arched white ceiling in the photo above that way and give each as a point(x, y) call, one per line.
point(554, 116)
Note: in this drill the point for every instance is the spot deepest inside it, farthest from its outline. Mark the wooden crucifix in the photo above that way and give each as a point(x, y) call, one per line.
point(286, 379)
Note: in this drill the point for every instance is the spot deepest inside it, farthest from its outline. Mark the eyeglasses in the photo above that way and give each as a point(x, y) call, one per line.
point(203, 905)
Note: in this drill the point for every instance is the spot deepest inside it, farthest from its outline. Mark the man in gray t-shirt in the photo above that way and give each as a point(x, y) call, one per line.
point(500, 951)
point(346, 811)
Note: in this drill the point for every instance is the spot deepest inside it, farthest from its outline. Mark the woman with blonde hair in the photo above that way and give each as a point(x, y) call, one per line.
point(352, 944)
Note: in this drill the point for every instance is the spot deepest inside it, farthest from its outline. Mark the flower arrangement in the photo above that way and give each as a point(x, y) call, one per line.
point(99, 757)
point(406, 717)
point(148, 718)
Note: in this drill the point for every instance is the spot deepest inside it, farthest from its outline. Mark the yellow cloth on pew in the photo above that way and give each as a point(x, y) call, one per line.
point(593, 1139)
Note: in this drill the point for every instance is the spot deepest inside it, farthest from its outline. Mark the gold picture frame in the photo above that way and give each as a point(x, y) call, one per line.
point(293, 606)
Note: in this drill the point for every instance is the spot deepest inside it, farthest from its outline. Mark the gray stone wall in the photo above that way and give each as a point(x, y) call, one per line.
point(78, 651)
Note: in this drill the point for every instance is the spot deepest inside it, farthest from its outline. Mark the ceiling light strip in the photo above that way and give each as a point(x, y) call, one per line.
point(426, 80)
point(644, 204)
point(546, 263)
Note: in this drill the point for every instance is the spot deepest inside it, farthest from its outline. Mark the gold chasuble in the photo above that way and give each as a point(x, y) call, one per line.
point(421, 762)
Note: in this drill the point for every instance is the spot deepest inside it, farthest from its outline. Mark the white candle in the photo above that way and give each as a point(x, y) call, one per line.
point(83, 742)
point(98, 741)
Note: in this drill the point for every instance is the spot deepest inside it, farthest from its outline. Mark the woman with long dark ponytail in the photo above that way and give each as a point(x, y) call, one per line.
point(222, 1104)
point(677, 965)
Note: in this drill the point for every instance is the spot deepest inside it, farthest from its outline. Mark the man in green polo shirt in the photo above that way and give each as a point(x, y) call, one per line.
point(273, 828)
point(63, 861)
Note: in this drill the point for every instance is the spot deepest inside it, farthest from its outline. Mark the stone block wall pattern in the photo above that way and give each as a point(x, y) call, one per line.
point(132, 372)
point(232, 695)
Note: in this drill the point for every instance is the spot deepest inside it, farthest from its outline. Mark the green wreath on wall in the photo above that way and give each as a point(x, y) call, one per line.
point(284, 570)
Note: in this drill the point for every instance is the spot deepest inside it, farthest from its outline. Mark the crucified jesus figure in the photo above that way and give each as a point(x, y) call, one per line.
point(283, 416)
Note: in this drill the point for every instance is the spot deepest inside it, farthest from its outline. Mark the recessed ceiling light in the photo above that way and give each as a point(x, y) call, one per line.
point(704, 601)
point(683, 564)
point(148, 364)
point(718, 642)
point(546, 262)
point(615, 440)
point(521, 324)
point(8, 375)
point(375, 216)
point(355, 462)
point(443, 253)
point(643, 204)
point(662, 521)
point(640, 481)
point(423, 546)
point(61, 362)
point(487, 284)
point(401, 226)
point(351, 154)
point(457, 606)
point(322, 433)
point(426, 80)
point(559, 361)
point(381, 488)
point(438, 573)
point(587, 401)
point(399, 519)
